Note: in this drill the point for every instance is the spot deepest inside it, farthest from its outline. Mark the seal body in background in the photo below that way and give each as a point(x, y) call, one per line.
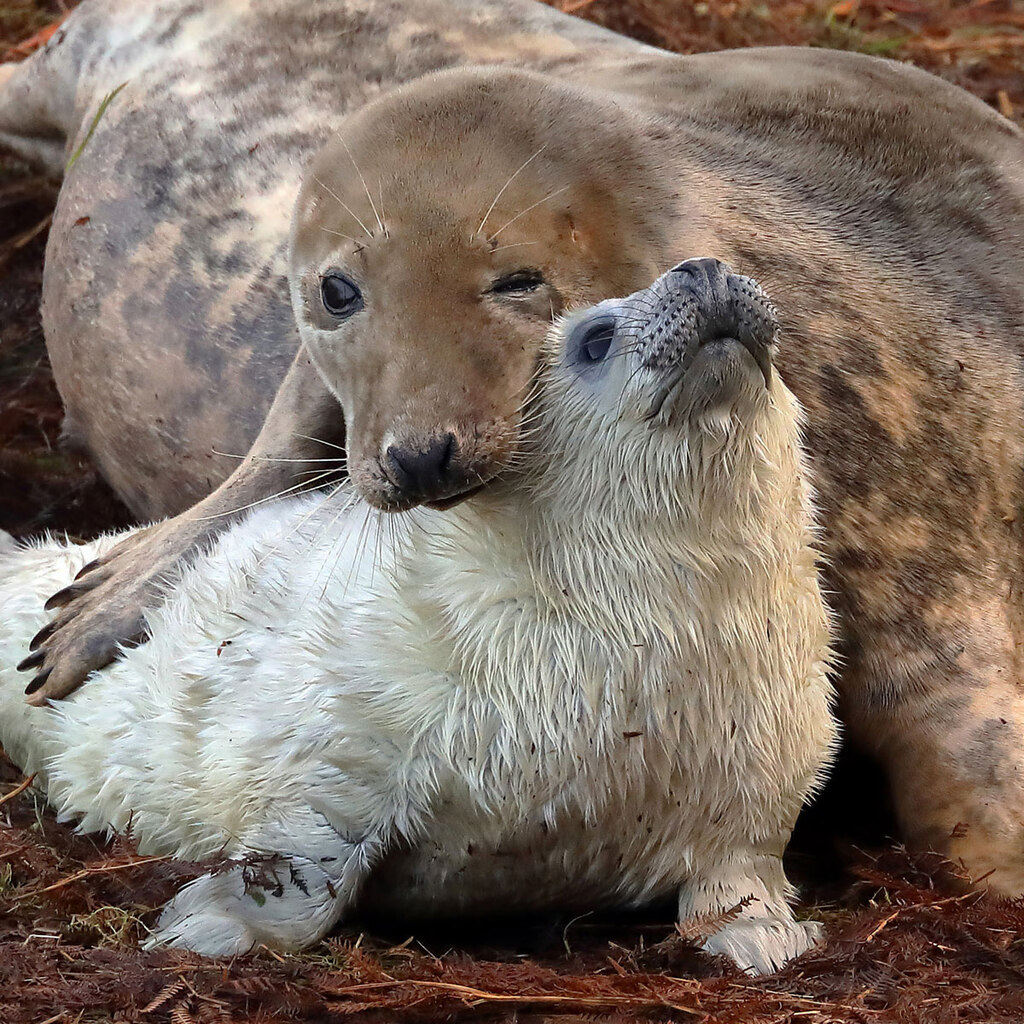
point(561, 693)
point(881, 207)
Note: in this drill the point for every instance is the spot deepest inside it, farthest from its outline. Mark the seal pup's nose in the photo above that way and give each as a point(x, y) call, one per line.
point(703, 301)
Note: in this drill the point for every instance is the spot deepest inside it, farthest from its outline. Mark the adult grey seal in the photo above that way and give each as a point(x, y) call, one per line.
point(448, 219)
point(560, 693)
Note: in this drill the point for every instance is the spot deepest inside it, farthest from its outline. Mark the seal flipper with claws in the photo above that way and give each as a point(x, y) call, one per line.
point(104, 609)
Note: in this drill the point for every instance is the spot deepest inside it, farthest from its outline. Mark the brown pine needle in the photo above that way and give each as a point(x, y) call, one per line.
point(476, 996)
point(20, 788)
point(102, 869)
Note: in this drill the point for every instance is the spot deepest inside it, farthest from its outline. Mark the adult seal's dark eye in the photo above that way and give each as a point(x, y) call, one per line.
point(519, 283)
point(595, 341)
point(341, 297)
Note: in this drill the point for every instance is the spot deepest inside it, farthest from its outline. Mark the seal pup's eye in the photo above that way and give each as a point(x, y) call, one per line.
point(594, 340)
point(340, 296)
point(519, 282)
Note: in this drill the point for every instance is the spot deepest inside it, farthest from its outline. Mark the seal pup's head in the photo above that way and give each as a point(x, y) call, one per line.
point(436, 238)
point(660, 477)
point(667, 401)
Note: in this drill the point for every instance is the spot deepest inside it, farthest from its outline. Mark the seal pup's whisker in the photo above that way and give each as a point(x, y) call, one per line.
point(343, 204)
point(511, 178)
point(373, 205)
point(532, 206)
point(625, 390)
point(530, 392)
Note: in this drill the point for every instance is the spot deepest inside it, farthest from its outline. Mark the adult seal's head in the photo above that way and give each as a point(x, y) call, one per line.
point(465, 211)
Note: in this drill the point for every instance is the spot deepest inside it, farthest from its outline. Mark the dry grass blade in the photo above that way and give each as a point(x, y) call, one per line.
point(103, 869)
point(478, 997)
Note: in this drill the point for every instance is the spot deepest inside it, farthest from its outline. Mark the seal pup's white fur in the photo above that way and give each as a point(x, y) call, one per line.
point(601, 681)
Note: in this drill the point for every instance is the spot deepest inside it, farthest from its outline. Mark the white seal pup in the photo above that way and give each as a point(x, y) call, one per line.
point(600, 681)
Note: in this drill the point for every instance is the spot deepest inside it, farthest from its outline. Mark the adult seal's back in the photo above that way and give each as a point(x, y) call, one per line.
point(448, 219)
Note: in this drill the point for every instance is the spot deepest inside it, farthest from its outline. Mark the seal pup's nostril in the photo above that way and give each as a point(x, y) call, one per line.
point(703, 265)
point(422, 471)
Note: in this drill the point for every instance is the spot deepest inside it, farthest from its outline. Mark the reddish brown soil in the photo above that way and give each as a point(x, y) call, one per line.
point(905, 943)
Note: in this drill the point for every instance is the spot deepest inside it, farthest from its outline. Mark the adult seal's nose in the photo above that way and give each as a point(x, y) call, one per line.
point(424, 471)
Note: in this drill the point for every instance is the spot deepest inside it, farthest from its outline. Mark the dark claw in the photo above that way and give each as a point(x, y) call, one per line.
point(88, 567)
point(43, 635)
point(65, 596)
point(38, 682)
point(32, 661)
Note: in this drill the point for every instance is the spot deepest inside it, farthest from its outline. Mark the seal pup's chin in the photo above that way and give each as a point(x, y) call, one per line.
point(722, 374)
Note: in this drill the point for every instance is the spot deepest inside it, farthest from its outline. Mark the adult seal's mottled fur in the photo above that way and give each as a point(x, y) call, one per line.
point(600, 681)
point(448, 219)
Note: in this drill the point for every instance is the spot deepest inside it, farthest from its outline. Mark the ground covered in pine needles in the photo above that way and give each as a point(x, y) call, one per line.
point(906, 941)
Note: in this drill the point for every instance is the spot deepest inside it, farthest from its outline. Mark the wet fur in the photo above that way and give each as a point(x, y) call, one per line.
point(882, 208)
point(600, 682)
